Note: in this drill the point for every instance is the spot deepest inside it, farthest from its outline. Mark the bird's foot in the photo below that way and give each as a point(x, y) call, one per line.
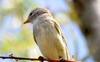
point(62, 60)
point(41, 58)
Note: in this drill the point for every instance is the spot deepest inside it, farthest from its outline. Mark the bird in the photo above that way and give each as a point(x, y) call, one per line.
point(48, 34)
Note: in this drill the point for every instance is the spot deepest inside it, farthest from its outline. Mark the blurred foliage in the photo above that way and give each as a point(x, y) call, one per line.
point(17, 7)
point(73, 13)
point(18, 43)
point(21, 43)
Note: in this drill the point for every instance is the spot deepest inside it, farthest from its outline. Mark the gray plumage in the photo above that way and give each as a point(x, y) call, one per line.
point(48, 34)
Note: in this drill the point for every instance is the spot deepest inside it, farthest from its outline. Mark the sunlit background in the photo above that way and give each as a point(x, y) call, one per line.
point(17, 38)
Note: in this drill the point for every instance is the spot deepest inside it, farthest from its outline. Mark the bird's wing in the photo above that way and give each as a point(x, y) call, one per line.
point(34, 39)
point(59, 30)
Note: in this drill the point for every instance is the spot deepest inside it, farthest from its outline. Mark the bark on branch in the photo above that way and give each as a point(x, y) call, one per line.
point(34, 59)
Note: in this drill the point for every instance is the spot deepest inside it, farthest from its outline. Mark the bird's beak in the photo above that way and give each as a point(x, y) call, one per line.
point(27, 21)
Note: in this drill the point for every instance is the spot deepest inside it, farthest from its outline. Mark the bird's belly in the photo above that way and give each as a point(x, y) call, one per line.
point(49, 51)
point(48, 48)
point(51, 46)
point(50, 42)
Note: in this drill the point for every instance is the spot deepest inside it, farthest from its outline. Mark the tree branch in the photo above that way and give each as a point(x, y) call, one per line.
point(34, 59)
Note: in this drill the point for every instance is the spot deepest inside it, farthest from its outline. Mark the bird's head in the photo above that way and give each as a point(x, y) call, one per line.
point(36, 13)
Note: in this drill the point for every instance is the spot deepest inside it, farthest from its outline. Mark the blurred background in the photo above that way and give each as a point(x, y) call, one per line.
point(79, 20)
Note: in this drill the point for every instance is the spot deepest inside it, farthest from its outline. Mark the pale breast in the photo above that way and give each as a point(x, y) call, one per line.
point(48, 40)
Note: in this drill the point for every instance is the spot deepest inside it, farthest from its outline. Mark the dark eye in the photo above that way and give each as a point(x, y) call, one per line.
point(43, 12)
point(30, 14)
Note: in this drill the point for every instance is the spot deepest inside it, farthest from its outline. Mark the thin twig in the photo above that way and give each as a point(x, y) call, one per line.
point(35, 59)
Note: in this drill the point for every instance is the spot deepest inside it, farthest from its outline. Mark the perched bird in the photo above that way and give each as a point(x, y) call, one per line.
point(48, 34)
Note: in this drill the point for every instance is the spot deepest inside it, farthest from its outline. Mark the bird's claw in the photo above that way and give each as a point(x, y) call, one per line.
point(41, 58)
point(62, 60)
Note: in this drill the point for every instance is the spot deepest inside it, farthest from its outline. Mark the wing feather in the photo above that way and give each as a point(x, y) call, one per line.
point(34, 38)
point(59, 30)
